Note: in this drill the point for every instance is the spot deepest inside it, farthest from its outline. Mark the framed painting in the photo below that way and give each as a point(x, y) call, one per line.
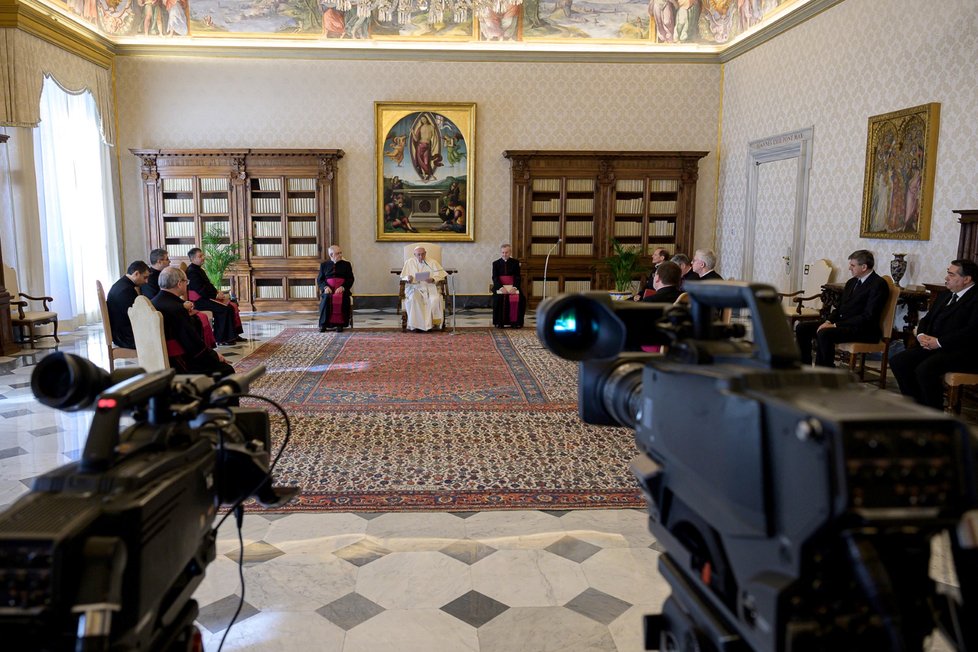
point(425, 171)
point(898, 187)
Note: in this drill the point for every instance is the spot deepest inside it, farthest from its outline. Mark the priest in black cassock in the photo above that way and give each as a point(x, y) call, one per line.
point(159, 260)
point(335, 281)
point(119, 300)
point(508, 301)
point(227, 322)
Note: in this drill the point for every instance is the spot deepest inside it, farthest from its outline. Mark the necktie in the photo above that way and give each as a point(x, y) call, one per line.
point(954, 300)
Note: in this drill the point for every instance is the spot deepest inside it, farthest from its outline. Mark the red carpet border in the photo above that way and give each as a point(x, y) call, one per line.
point(390, 421)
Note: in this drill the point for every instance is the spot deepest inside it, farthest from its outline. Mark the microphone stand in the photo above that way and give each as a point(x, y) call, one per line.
point(546, 263)
point(451, 287)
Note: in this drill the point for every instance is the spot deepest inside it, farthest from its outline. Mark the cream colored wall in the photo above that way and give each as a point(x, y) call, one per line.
point(182, 102)
point(825, 74)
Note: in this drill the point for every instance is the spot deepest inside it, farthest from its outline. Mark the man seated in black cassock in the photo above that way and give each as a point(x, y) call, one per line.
point(855, 319)
point(666, 280)
point(948, 338)
point(159, 259)
point(184, 343)
point(335, 281)
point(508, 301)
point(119, 300)
point(227, 321)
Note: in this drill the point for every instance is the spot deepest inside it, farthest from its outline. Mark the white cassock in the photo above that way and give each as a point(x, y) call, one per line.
point(423, 301)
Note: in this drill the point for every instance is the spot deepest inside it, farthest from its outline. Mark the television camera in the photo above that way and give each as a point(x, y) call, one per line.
point(797, 511)
point(106, 552)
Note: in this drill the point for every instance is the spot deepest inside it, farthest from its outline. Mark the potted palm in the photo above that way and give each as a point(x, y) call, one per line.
point(219, 255)
point(623, 263)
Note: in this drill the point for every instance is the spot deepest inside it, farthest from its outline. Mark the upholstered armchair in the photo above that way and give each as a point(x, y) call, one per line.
point(24, 319)
point(432, 252)
point(818, 274)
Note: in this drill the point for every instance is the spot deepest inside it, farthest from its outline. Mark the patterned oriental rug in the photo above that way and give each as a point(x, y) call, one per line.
point(484, 419)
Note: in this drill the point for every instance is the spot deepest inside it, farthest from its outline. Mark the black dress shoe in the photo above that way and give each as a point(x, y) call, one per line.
point(240, 339)
point(339, 329)
point(322, 329)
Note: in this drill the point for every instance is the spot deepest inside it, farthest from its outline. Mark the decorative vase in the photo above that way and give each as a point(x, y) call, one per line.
point(898, 267)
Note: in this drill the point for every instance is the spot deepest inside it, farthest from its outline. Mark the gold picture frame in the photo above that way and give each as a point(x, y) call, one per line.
point(901, 159)
point(425, 157)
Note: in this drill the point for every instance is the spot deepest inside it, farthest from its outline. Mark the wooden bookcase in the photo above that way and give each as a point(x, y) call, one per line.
point(572, 203)
point(280, 203)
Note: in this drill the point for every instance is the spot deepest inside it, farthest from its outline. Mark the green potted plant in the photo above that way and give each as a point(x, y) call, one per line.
point(624, 263)
point(219, 255)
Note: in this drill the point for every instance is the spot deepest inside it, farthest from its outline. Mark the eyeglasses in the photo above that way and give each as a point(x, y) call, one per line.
point(183, 281)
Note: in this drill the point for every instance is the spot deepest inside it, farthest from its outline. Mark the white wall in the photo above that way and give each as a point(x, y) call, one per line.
point(858, 59)
point(183, 102)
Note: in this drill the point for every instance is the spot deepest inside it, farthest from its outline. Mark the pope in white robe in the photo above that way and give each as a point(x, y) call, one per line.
point(423, 301)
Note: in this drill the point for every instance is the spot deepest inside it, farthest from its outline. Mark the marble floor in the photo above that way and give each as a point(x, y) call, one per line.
point(428, 582)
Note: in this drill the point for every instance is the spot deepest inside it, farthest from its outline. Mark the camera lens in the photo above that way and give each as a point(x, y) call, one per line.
point(574, 331)
point(67, 382)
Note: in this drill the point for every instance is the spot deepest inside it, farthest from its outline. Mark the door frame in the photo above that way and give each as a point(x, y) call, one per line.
point(789, 145)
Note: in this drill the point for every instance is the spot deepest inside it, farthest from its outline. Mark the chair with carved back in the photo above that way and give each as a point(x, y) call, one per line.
point(432, 252)
point(24, 319)
point(955, 382)
point(115, 352)
point(862, 349)
point(147, 330)
point(817, 274)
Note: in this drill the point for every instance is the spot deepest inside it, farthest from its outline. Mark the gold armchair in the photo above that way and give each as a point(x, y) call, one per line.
point(23, 319)
point(817, 274)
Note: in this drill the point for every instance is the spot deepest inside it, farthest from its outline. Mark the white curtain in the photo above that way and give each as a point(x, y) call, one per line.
point(75, 200)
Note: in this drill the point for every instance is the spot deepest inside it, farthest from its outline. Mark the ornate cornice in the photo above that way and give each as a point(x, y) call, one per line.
point(46, 24)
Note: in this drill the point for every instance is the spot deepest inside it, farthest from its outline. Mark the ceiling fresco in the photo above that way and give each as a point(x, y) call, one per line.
point(659, 24)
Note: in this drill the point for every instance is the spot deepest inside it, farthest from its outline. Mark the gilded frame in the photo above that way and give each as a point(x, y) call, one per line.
point(901, 160)
point(425, 184)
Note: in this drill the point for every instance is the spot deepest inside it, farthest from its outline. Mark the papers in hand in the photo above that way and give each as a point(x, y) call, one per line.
point(507, 289)
point(422, 277)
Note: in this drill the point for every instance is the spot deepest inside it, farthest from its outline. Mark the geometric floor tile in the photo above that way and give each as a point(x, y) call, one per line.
point(598, 605)
point(12, 452)
point(349, 611)
point(50, 430)
point(255, 553)
point(362, 553)
point(571, 548)
point(474, 608)
point(468, 552)
point(216, 616)
point(15, 413)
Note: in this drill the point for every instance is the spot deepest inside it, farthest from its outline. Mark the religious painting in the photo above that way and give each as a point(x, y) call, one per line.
point(425, 157)
point(898, 187)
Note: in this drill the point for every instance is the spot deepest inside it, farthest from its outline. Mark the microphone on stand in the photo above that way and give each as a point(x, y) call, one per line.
point(546, 263)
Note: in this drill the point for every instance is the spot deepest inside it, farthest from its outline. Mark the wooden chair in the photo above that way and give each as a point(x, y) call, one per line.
point(147, 329)
point(861, 349)
point(115, 352)
point(432, 252)
point(29, 319)
point(955, 381)
point(818, 274)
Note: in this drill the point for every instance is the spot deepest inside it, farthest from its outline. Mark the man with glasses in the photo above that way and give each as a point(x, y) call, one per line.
point(857, 317)
point(335, 281)
point(422, 298)
point(184, 343)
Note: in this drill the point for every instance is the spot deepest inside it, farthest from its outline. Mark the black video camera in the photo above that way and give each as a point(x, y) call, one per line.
point(796, 510)
point(105, 553)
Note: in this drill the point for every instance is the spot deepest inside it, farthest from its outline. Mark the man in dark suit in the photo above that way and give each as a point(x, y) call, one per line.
point(227, 323)
point(855, 319)
point(159, 260)
point(179, 328)
point(119, 300)
point(335, 281)
point(666, 280)
point(506, 273)
point(685, 269)
point(704, 260)
point(948, 338)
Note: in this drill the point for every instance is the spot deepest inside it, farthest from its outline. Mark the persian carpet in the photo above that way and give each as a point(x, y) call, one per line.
point(384, 420)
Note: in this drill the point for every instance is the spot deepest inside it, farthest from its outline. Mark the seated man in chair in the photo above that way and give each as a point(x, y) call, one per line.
point(947, 338)
point(335, 281)
point(856, 319)
point(227, 321)
point(508, 302)
point(423, 300)
point(184, 342)
point(121, 295)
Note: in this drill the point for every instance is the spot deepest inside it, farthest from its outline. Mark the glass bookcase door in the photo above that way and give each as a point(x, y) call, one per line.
point(266, 212)
point(663, 199)
point(579, 217)
point(301, 212)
